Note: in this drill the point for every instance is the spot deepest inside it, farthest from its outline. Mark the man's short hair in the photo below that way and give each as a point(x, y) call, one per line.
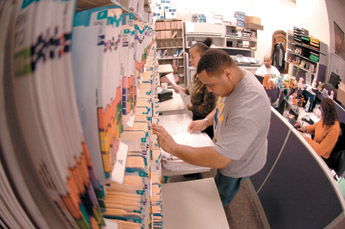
point(267, 56)
point(214, 61)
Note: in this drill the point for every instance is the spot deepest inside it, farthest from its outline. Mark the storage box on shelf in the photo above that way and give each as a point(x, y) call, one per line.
point(252, 19)
point(170, 45)
point(252, 22)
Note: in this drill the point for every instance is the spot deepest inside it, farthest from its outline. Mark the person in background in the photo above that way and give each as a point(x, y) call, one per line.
point(326, 131)
point(267, 68)
point(202, 101)
point(241, 122)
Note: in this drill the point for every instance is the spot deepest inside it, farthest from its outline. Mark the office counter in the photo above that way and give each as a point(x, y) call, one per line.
point(296, 188)
point(176, 125)
point(188, 204)
point(193, 204)
point(172, 106)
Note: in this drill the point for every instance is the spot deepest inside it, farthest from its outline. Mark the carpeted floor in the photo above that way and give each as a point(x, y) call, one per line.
point(243, 211)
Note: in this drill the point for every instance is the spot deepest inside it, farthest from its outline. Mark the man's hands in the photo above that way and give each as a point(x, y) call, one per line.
point(164, 138)
point(197, 125)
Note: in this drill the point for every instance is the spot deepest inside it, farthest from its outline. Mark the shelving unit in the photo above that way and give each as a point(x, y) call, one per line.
point(299, 55)
point(170, 45)
point(53, 175)
point(232, 39)
point(241, 40)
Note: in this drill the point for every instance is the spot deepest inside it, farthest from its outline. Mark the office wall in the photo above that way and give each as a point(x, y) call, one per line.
point(336, 9)
point(275, 15)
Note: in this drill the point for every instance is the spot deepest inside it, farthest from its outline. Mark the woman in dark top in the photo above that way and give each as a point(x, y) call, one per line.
point(202, 101)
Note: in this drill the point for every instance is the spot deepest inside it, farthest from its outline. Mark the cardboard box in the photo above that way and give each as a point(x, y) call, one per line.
point(254, 26)
point(167, 25)
point(341, 93)
point(176, 24)
point(158, 35)
point(252, 19)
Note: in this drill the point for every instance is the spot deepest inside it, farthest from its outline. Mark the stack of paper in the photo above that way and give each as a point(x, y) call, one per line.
point(177, 126)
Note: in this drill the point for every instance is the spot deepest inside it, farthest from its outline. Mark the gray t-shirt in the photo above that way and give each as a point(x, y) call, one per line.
point(241, 127)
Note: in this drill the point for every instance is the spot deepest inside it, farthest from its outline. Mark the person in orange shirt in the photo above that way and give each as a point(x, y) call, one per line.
point(326, 131)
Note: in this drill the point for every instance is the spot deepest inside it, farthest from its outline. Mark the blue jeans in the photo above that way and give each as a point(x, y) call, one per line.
point(227, 187)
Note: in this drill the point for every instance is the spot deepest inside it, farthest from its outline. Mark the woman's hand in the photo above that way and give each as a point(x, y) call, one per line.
point(299, 127)
point(178, 87)
point(190, 106)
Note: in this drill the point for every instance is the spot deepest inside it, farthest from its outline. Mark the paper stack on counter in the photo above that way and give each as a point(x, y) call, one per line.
point(177, 125)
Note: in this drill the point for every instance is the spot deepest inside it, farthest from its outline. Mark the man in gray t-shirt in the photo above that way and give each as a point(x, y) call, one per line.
point(241, 123)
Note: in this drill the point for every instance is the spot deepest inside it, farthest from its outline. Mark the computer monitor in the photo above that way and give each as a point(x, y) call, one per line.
point(293, 112)
point(281, 106)
point(260, 78)
point(311, 97)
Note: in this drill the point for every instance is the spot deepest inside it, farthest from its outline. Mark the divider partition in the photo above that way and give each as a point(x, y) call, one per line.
point(296, 188)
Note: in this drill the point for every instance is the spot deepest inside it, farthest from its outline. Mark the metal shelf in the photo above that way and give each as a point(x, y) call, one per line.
point(305, 58)
point(177, 38)
point(240, 38)
point(303, 69)
point(234, 48)
point(171, 47)
point(170, 58)
point(204, 35)
point(90, 4)
point(302, 46)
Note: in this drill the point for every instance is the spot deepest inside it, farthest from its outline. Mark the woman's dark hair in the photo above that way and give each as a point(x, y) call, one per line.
point(202, 47)
point(208, 42)
point(329, 112)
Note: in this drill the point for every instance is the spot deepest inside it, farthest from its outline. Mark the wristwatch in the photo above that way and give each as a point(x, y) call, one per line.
point(207, 122)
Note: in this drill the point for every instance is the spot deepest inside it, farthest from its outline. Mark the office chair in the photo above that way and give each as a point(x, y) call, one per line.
point(336, 160)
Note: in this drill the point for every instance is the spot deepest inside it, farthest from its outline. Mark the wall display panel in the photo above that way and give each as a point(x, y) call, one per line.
point(298, 193)
point(276, 138)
